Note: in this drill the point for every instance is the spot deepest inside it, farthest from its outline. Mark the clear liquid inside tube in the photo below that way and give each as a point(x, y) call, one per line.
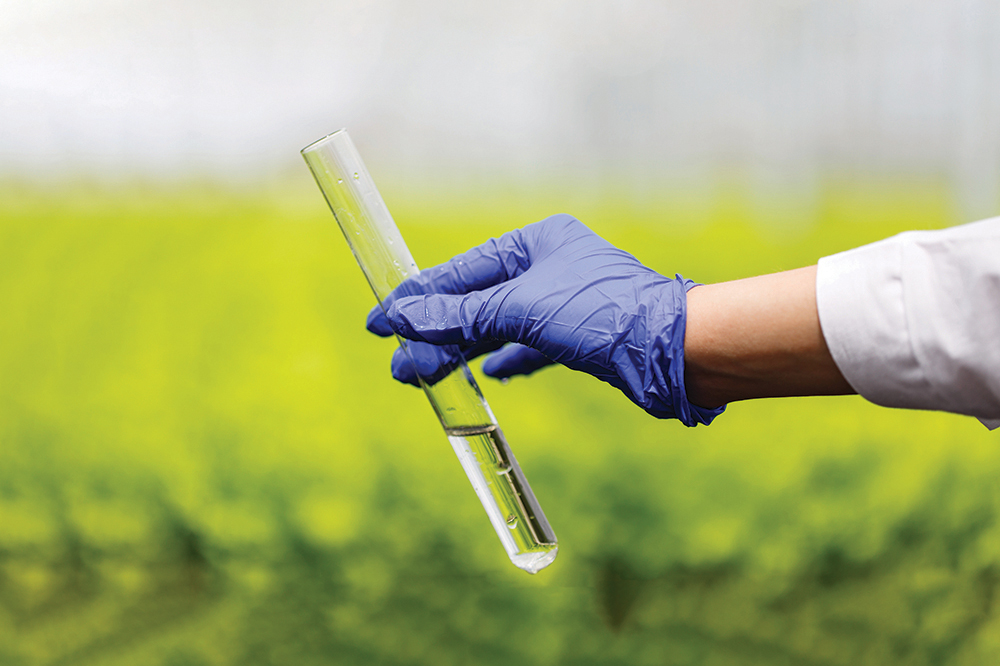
point(475, 436)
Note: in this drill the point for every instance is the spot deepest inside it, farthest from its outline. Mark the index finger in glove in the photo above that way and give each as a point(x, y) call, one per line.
point(495, 261)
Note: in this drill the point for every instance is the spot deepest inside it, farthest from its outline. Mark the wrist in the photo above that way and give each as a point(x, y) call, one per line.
point(756, 338)
point(710, 374)
point(665, 358)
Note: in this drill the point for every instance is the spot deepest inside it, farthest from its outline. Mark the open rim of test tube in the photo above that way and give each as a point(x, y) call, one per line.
point(317, 142)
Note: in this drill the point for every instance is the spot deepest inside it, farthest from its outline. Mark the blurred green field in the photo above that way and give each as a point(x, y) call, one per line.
point(204, 460)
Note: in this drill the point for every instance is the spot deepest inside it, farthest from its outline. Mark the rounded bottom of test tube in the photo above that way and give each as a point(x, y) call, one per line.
point(534, 562)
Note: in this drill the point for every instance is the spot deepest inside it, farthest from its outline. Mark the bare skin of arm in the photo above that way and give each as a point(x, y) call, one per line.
point(758, 338)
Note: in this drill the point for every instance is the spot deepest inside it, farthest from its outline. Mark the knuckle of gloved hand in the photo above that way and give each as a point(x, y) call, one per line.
point(400, 316)
point(559, 220)
point(566, 223)
point(554, 231)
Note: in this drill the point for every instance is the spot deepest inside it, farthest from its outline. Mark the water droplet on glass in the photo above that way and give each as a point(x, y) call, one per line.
point(505, 381)
point(356, 175)
point(512, 521)
point(340, 180)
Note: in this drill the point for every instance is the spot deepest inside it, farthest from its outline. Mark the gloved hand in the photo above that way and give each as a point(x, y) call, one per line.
point(566, 294)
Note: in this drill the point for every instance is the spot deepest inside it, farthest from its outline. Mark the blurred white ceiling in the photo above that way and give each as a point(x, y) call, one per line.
point(229, 88)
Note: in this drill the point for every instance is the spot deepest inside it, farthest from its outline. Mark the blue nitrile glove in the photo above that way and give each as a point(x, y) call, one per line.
point(564, 292)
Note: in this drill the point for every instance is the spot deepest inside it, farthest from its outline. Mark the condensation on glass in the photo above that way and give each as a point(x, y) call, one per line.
point(466, 418)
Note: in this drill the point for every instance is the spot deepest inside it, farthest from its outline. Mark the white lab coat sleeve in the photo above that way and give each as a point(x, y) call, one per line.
point(913, 321)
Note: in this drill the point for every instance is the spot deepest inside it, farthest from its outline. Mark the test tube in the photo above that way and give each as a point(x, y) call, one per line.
point(464, 414)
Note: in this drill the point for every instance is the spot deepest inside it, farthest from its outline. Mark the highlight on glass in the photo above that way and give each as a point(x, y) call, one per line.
point(464, 414)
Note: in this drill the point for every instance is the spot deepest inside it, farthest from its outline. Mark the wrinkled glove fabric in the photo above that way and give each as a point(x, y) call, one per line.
point(562, 294)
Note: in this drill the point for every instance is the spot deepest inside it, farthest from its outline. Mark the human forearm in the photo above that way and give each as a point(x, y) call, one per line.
point(756, 338)
point(573, 298)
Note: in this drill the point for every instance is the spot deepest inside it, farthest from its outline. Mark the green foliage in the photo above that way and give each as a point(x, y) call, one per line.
point(203, 460)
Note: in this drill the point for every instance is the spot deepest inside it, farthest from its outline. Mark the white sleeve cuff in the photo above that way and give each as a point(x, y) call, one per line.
point(859, 294)
point(913, 321)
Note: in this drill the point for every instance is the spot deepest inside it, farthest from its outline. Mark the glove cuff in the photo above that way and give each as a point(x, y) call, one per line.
point(672, 360)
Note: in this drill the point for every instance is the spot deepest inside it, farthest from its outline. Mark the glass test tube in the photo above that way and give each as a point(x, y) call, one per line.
point(466, 418)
